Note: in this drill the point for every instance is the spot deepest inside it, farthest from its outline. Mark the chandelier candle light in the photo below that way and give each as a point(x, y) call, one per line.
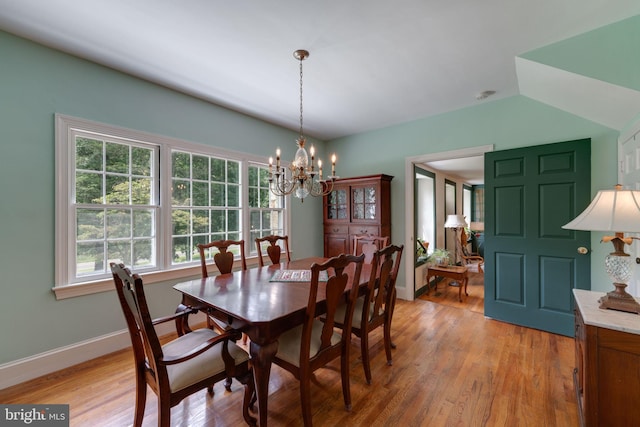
point(302, 179)
point(618, 211)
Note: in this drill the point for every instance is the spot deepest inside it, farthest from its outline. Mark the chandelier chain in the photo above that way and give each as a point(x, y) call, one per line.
point(301, 134)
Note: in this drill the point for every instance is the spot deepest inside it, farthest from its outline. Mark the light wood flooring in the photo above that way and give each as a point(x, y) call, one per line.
point(452, 367)
point(448, 295)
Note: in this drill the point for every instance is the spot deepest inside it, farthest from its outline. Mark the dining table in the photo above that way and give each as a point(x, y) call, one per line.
point(263, 305)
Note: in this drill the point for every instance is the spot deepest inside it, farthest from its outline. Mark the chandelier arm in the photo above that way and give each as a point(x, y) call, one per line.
point(321, 188)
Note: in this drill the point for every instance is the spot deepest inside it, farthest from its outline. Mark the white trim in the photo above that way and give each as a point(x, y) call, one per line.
point(31, 367)
point(106, 285)
point(407, 293)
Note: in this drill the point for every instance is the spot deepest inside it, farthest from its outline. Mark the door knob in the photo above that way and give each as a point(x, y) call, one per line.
point(582, 250)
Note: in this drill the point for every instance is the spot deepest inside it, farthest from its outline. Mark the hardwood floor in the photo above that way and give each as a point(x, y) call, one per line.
point(448, 295)
point(451, 367)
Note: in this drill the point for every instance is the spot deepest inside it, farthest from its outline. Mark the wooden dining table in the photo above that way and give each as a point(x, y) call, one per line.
point(251, 302)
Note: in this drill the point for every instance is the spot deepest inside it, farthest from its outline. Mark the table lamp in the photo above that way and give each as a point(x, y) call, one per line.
point(618, 211)
point(455, 222)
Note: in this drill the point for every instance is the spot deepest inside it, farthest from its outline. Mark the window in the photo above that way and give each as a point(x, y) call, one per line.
point(114, 203)
point(425, 209)
point(265, 209)
point(205, 203)
point(449, 209)
point(147, 201)
point(466, 202)
point(478, 203)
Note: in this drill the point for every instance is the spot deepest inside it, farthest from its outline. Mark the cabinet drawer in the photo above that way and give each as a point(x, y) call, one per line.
point(336, 229)
point(364, 229)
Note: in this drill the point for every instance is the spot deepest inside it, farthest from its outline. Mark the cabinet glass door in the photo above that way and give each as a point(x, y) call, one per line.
point(364, 203)
point(337, 204)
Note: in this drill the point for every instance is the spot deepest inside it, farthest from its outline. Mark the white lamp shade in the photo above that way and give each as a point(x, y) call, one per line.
point(610, 210)
point(455, 221)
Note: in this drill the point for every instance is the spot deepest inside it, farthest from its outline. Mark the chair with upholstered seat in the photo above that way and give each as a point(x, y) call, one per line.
point(310, 346)
point(179, 368)
point(273, 250)
point(223, 259)
point(367, 244)
point(468, 257)
point(376, 307)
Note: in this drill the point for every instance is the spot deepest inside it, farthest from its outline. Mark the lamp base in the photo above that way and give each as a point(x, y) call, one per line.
point(620, 300)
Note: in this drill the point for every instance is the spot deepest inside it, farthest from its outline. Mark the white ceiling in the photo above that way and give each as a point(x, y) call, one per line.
point(468, 169)
point(373, 63)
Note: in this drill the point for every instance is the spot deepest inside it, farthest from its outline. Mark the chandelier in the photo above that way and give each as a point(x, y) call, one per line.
point(302, 179)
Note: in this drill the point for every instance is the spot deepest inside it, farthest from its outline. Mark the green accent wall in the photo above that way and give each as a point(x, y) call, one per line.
point(35, 83)
point(610, 54)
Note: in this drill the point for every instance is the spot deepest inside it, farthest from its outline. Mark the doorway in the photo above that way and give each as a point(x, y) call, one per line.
point(442, 162)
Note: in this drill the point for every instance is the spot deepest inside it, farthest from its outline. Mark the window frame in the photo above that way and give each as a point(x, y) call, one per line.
point(65, 244)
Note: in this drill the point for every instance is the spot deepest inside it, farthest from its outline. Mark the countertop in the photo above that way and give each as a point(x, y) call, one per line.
point(588, 304)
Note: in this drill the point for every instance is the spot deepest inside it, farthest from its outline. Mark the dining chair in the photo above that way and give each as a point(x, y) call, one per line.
point(367, 244)
point(223, 260)
point(273, 250)
point(310, 346)
point(375, 308)
point(181, 367)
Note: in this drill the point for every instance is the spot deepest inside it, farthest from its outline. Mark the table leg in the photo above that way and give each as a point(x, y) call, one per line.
point(465, 280)
point(261, 358)
point(435, 286)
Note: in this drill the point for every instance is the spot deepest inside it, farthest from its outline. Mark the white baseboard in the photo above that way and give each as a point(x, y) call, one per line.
point(31, 367)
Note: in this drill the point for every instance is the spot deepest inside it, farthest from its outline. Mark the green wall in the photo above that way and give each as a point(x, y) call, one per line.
point(513, 122)
point(37, 82)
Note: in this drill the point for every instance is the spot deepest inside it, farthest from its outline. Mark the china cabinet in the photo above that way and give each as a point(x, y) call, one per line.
point(360, 205)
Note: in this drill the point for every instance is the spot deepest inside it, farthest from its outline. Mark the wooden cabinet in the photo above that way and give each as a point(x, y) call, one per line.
point(360, 205)
point(607, 372)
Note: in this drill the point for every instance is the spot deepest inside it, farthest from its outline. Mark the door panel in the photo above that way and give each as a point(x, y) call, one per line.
point(509, 278)
point(532, 264)
point(556, 278)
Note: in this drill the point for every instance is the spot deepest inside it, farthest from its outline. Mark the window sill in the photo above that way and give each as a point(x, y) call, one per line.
point(106, 285)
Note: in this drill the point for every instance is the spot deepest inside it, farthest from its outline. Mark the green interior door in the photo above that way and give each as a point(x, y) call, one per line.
point(532, 264)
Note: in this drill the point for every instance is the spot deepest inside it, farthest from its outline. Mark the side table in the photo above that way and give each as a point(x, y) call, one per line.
point(459, 273)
